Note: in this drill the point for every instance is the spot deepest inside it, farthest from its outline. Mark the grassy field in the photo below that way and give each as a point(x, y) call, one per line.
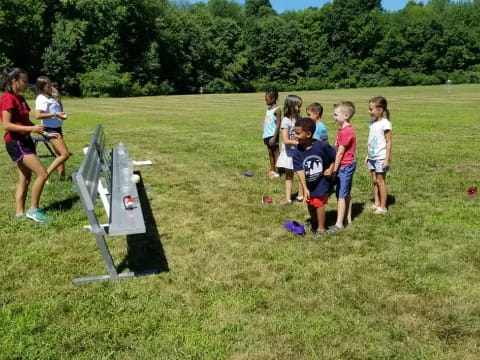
point(235, 284)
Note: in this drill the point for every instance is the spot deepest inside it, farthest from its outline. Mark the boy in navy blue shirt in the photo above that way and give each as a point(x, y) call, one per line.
point(313, 162)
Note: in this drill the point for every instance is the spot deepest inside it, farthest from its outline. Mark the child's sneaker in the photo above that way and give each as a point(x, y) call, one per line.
point(37, 215)
point(380, 211)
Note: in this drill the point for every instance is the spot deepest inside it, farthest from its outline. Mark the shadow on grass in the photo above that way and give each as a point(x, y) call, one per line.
point(145, 252)
point(65, 204)
point(331, 215)
point(391, 200)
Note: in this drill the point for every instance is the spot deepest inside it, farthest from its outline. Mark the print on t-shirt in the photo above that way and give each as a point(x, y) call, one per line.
point(313, 167)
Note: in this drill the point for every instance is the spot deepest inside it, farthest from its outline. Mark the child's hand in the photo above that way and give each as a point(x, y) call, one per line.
point(328, 172)
point(39, 129)
point(306, 195)
point(62, 115)
point(51, 135)
point(366, 159)
point(386, 163)
point(272, 141)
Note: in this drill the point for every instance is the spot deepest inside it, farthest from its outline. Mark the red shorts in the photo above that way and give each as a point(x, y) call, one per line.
point(317, 202)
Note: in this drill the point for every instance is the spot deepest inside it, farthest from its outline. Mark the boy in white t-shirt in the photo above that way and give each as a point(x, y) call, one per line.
point(379, 151)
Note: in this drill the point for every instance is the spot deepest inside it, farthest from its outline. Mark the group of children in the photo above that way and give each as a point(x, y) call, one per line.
point(14, 115)
point(319, 166)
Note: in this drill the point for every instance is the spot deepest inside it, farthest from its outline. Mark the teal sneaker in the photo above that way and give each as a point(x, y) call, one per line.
point(37, 215)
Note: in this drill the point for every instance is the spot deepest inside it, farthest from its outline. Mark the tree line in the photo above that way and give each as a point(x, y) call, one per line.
point(150, 47)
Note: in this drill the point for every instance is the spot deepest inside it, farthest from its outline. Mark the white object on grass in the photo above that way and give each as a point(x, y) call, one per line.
point(135, 178)
point(142, 162)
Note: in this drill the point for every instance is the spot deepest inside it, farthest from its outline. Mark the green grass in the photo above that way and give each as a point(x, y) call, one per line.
point(402, 286)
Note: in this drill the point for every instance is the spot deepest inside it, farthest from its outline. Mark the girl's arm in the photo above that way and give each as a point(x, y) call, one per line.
point(285, 138)
point(274, 138)
point(40, 115)
point(388, 140)
point(9, 126)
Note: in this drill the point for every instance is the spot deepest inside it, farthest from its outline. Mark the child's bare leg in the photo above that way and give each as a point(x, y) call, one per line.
point(320, 211)
point(276, 154)
point(288, 184)
point(313, 217)
point(382, 190)
point(375, 189)
point(32, 163)
point(341, 209)
point(62, 155)
point(348, 205)
point(24, 176)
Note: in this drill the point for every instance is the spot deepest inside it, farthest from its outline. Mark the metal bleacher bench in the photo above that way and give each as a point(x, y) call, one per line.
point(106, 174)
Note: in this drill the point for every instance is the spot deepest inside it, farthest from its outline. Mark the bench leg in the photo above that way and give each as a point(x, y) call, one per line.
point(50, 149)
point(107, 258)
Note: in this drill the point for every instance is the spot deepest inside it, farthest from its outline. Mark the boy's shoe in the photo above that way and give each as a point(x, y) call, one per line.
point(295, 227)
point(380, 211)
point(319, 234)
point(37, 215)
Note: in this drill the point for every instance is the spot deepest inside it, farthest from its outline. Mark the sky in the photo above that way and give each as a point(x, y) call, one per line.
point(282, 5)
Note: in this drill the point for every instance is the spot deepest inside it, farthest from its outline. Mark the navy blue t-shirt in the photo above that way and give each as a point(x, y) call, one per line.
point(314, 161)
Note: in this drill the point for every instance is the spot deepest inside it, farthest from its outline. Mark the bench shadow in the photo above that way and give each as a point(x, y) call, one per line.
point(145, 254)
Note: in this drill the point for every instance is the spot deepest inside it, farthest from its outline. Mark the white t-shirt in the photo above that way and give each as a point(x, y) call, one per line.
point(49, 105)
point(377, 145)
point(289, 124)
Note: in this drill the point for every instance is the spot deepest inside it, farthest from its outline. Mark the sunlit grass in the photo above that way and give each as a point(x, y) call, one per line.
point(402, 286)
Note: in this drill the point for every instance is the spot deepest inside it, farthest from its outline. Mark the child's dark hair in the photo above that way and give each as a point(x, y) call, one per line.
point(8, 75)
point(381, 102)
point(291, 101)
point(273, 93)
point(316, 107)
point(42, 81)
point(307, 124)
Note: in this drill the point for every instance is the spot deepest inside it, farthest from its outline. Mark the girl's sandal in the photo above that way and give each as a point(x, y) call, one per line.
point(285, 202)
point(273, 175)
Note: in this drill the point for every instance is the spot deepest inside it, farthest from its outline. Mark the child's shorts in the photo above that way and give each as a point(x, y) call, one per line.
point(317, 202)
point(376, 165)
point(344, 180)
point(20, 147)
point(51, 130)
point(266, 141)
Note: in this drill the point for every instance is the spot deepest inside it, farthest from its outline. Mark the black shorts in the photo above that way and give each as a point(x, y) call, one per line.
point(51, 130)
point(267, 140)
point(17, 148)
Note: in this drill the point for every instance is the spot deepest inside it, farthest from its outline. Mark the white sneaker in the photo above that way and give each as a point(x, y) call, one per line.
point(374, 207)
point(380, 211)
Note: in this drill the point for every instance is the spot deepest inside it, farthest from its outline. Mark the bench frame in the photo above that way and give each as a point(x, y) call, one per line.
point(99, 166)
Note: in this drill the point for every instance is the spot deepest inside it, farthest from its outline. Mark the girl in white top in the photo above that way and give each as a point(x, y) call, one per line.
point(379, 151)
point(291, 110)
point(50, 112)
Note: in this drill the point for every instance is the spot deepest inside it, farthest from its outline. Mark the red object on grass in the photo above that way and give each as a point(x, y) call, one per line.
point(472, 191)
point(266, 199)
